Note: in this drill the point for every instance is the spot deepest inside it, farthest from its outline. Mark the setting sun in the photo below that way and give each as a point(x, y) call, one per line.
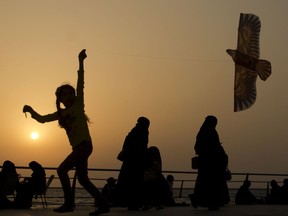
point(34, 135)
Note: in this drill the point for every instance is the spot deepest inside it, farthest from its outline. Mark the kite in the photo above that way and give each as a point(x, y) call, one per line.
point(247, 63)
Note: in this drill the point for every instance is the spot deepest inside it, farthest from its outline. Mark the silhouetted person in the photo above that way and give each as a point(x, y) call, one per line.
point(30, 186)
point(170, 181)
point(38, 178)
point(108, 190)
point(275, 195)
point(8, 168)
point(210, 187)
point(75, 122)
point(129, 187)
point(244, 195)
point(284, 192)
point(157, 192)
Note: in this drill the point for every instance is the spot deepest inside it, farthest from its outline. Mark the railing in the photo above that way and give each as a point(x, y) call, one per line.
point(183, 184)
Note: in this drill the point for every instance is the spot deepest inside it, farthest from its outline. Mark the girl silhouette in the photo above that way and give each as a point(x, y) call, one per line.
point(73, 119)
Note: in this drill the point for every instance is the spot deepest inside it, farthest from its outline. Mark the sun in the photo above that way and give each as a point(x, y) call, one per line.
point(34, 135)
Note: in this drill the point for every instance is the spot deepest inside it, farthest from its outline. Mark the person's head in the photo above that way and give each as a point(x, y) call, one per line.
point(273, 183)
point(65, 94)
point(208, 125)
point(170, 178)
point(111, 181)
point(35, 165)
point(143, 122)
point(8, 167)
point(153, 153)
point(211, 121)
point(285, 182)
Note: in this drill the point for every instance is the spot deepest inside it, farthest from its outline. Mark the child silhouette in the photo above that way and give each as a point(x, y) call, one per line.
point(75, 122)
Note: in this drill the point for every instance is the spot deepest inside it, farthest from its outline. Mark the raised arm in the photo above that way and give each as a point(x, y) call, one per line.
point(80, 82)
point(82, 55)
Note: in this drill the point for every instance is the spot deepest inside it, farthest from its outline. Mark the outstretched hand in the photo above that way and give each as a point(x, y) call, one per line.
point(82, 55)
point(27, 108)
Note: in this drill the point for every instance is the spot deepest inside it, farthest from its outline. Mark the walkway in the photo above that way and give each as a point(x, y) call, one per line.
point(231, 210)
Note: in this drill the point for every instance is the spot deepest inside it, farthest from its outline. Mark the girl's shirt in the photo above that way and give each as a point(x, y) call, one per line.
point(76, 125)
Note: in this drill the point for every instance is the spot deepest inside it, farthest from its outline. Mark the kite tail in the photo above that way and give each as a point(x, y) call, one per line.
point(263, 69)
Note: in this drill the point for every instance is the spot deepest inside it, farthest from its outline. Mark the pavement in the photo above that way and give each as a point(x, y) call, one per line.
point(230, 210)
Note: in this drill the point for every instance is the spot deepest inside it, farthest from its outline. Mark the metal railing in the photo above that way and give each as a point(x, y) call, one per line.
point(184, 182)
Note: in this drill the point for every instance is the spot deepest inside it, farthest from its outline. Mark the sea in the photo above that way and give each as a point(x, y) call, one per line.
point(54, 196)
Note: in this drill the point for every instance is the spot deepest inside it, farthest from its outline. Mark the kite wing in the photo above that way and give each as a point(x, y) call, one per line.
point(244, 88)
point(248, 35)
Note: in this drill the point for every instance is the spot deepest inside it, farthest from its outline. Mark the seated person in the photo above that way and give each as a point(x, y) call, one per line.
point(156, 189)
point(30, 186)
point(284, 192)
point(8, 168)
point(275, 195)
point(108, 189)
point(170, 200)
point(244, 195)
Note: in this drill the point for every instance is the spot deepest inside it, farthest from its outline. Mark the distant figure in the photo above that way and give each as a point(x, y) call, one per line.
point(170, 180)
point(75, 122)
point(108, 190)
point(275, 195)
point(8, 168)
point(211, 186)
point(129, 186)
point(284, 192)
point(30, 186)
point(156, 188)
point(244, 195)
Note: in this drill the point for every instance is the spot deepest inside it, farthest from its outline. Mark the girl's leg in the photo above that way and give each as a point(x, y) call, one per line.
point(83, 153)
point(84, 180)
point(62, 171)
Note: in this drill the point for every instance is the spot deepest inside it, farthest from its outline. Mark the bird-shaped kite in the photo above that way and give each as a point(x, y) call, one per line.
point(247, 62)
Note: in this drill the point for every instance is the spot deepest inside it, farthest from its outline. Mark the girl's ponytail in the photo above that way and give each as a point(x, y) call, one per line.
point(60, 121)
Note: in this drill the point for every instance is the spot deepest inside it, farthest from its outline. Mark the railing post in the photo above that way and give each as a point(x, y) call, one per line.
point(181, 188)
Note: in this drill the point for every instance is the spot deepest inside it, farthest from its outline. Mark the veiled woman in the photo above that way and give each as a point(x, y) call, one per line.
point(210, 187)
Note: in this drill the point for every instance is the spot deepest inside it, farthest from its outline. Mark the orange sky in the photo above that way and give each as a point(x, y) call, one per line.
point(163, 59)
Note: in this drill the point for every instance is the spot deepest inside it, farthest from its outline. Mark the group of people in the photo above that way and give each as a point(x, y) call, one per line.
point(141, 184)
point(277, 195)
point(25, 188)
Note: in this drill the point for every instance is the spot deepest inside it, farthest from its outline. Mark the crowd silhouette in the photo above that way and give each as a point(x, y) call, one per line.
point(141, 185)
point(278, 194)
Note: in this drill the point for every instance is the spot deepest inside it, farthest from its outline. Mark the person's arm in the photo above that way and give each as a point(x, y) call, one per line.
point(38, 117)
point(82, 55)
point(80, 82)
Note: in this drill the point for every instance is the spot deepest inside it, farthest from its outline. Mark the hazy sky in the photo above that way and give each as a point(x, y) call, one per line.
point(163, 59)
